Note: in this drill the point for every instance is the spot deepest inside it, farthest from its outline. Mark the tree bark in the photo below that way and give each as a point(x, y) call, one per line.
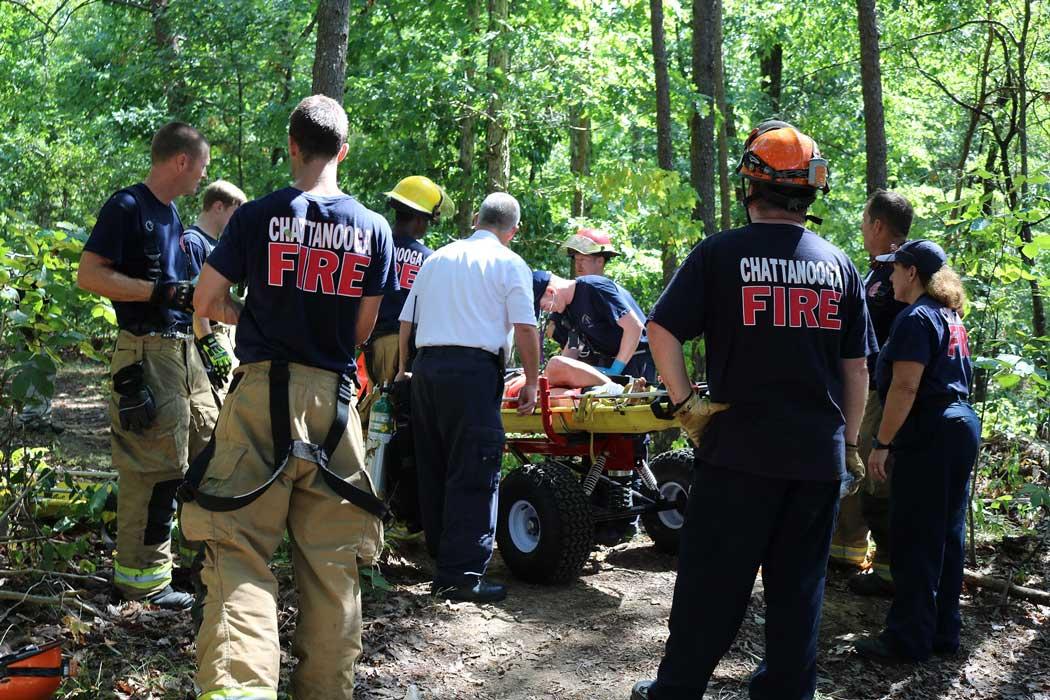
point(702, 124)
point(465, 207)
point(771, 66)
point(497, 139)
point(168, 47)
point(333, 28)
point(579, 154)
point(725, 186)
point(664, 150)
point(1032, 594)
point(871, 84)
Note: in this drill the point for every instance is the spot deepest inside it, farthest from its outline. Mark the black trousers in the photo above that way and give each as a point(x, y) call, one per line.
point(736, 522)
point(456, 394)
point(931, 475)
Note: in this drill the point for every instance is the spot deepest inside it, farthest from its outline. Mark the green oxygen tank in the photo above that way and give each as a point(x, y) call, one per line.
point(380, 432)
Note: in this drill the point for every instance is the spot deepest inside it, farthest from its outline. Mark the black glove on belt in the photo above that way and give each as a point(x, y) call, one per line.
point(173, 295)
point(137, 408)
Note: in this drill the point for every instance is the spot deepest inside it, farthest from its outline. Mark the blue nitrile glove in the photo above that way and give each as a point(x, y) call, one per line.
point(614, 369)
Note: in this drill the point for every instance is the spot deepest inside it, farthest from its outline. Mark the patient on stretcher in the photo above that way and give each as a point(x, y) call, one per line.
point(569, 379)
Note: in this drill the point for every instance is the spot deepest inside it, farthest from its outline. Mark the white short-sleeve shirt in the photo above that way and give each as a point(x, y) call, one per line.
point(471, 293)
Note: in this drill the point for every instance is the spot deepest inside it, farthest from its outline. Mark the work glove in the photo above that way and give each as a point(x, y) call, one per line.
point(694, 414)
point(616, 368)
point(173, 295)
point(217, 362)
point(855, 469)
point(137, 410)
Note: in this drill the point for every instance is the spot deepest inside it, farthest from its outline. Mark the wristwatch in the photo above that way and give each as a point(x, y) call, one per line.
point(876, 445)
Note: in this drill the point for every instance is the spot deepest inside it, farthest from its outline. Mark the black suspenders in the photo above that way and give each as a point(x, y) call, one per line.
point(284, 448)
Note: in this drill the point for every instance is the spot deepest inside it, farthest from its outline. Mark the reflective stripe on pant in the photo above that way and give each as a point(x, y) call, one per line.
point(868, 509)
point(237, 644)
point(150, 464)
point(928, 525)
point(786, 529)
point(459, 447)
point(240, 694)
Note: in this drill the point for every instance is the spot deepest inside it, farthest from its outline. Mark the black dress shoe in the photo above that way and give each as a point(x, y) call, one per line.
point(480, 592)
point(640, 691)
point(876, 649)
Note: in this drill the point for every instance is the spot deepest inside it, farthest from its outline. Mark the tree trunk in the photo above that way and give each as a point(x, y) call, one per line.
point(664, 149)
point(702, 124)
point(725, 186)
point(871, 84)
point(771, 66)
point(333, 28)
point(465, 207)
point(497, 139)
point(1038, 308)
point(579, 154)
point(167, 43)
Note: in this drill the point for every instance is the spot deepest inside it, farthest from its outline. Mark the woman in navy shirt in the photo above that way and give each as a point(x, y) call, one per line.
point(923, 377)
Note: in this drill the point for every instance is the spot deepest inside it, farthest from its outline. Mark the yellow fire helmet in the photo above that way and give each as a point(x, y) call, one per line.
point(424, 195)
point(589, 241)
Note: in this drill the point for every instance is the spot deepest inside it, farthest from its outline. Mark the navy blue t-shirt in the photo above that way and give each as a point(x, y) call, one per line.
point(882, 307)
point(409, 255)
point(307, 260)
point(589, 322)
point(933, 335)
point(779, 307)
point(121, 235)
point(197, 245)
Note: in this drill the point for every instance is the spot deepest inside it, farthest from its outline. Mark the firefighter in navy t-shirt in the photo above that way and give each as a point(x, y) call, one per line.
point(317, 264)
point(417, 202)
point(885, 226)
point(923, 376)
point(161, 407)
point(786, 334)
point(603, 318)
point(214, 342)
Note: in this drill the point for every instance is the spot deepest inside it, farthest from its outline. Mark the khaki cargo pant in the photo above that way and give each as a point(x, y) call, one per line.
point(151, 464)
point(238, 650)
point(381, 364)
point(868, 509)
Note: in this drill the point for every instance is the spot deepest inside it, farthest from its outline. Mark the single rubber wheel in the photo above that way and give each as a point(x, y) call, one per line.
point(673, 472)
point(544, 530)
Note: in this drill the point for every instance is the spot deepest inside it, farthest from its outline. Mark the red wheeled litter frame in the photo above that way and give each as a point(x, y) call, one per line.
point(548, 510)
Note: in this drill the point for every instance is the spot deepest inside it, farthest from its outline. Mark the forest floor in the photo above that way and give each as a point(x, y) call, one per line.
point(589, 640)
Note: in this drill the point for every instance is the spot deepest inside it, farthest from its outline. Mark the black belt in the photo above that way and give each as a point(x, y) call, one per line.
point(176, 330)
point(283, 448)
point(458, 351)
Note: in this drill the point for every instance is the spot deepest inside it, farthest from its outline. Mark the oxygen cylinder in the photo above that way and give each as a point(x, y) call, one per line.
point(380, 432)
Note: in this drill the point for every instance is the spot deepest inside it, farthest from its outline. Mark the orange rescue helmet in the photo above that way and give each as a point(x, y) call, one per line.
point(33, 672)
point(779, 154)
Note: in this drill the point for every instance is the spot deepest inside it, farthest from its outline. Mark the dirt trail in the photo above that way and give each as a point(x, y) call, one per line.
point(589, 640)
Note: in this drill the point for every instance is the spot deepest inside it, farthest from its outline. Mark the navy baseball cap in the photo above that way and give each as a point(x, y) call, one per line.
point(924, 254)
point(540, 280)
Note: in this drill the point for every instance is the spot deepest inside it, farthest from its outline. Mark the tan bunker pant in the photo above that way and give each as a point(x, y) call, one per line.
point(381, 364)
point(868, 509)
point(150, 464)
point(238, 650)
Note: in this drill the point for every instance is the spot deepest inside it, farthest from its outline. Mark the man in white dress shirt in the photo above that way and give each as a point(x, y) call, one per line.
point(467, 299)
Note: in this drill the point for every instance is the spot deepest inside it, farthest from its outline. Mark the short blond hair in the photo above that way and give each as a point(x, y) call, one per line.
point(222, 191)
point(946, 287)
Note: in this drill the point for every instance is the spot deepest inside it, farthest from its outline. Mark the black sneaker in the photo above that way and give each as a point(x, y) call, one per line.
point(871, 584)
point(480, 592)
point(876, 649)
point(640, 691)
